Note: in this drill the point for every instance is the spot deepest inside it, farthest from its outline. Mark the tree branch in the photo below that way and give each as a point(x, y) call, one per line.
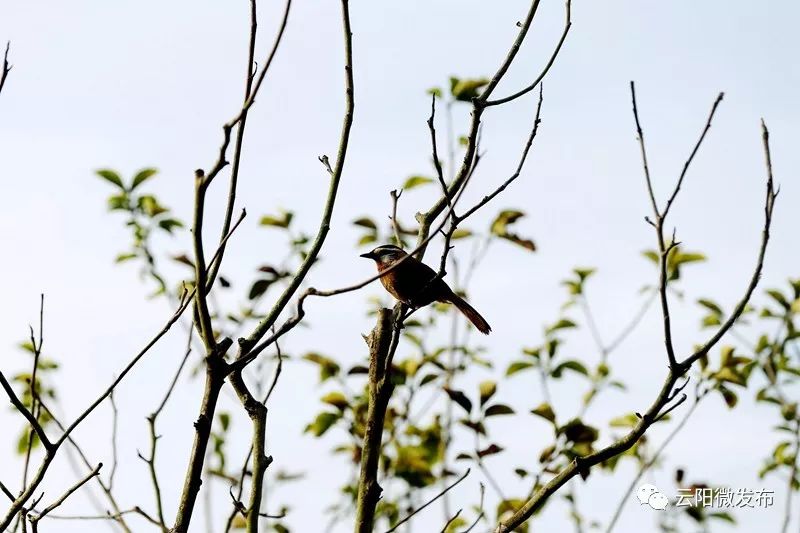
point(426, 504)
point(249, 95)
point(656, 409)
point(379, 341)
point(245, 345)
point(543, 73)
point(6, 67)
point(35, 518)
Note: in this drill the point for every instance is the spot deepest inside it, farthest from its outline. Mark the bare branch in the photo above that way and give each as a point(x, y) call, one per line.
point(7, 492)
point(426, 504)
point(451, 520)
point(488, 198)
point(336, 175)
point(6, 67)
point(114, 450)
point(512, 53)
point(250, 93)
point(154, 436)
point(481, 514)
point(543, 73)
point(640, 138)
point(769, 204)
point(115, 516)
point(34, 423)
point(85, 460)
point(435, 155)
point(35, 518)
point(395, 194)
point(691, 156)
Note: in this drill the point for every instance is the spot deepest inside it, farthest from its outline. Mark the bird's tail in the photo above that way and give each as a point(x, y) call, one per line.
point(468, 311)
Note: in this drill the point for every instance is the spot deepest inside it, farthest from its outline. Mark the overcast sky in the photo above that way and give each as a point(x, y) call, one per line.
point(135, 84)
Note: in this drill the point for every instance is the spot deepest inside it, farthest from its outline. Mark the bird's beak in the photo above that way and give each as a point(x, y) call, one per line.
point(368, 255)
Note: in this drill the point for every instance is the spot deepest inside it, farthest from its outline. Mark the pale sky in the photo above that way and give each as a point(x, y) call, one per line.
point(136, 84)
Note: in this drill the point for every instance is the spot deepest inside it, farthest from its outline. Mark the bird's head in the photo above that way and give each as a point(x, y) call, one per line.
point(386, 254)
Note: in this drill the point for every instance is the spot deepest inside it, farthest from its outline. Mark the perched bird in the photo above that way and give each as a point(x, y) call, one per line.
point(416, 284)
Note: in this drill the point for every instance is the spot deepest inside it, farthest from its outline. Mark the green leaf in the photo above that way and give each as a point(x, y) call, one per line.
point(727, 374)
point(435, 91)
point(711, 306)
point(498, 409)
point(460, 233)
point(225, 421)
point(500, 225)
point(518, 366)
point(725, 517)
point(368, 238)
point(427, 379)
point(118, 201)
point(416, 181)
point(281, 221)
point(336, 399)
point(111, 176)
point(730, 397)
point(22, 442)
point(584, 273)
point(504, 219)
point(564, 323)
point(365, 222)
point(323, 423)
point(575, 366)
point(460, 398)
point(121, 258)
point(464, 90)
point(625, 421)
point(779, 297)
point(168, 224)
point(142, 176)
point(487, 390)
point(545, 411)
point(578, 432)
point(492, 449)
point(327, 366)
point(651, 255)
point(259, 287)
point(150, 206)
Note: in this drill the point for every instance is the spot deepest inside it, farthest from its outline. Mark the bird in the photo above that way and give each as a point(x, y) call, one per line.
point(416, 284)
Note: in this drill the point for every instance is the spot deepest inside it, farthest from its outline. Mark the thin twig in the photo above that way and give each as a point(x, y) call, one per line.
point(114, 450)
point(18, 405)
point(691, 156)
point(35, 518)
point(250, 94)
point(543, 73)
point(482, 512)
point(435, 154)
point(115, 517)
point(6, 67)
point(395, 194)
point(336, 175)
point(451, 520)
point(426, 504)
point(7, 492)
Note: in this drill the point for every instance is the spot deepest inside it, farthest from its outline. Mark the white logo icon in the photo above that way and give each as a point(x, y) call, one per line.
point(650, 495)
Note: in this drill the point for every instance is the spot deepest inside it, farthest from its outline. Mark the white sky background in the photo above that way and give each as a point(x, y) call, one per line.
point(99, 84)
